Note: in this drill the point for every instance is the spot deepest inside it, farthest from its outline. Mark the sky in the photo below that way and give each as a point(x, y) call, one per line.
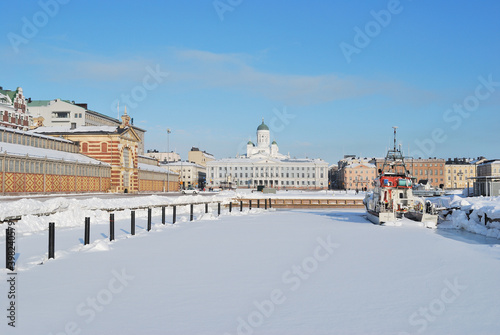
point(329, 77)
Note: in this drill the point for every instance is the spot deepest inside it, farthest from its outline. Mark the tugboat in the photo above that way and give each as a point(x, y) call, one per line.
point(392, 197)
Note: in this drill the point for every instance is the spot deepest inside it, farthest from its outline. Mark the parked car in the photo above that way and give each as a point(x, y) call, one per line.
point(190, 190)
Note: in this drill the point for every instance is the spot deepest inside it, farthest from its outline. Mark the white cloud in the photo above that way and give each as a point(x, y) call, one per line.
point(234, 71)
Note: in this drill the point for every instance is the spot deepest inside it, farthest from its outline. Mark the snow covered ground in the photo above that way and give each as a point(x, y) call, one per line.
point(251, 272)
point(471, 214)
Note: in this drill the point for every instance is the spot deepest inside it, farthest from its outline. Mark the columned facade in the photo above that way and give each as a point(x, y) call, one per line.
point(264, 165)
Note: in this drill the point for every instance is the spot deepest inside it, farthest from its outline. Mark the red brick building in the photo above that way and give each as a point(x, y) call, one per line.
point(13, 109)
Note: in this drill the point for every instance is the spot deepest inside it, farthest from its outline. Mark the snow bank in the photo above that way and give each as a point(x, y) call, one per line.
point(480, 215)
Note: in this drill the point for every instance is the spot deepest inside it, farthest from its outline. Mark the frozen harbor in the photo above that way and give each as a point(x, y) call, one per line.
point(256, 272)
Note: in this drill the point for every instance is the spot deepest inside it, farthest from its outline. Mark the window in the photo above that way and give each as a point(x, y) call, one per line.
point(85, 147)
point(60, 115)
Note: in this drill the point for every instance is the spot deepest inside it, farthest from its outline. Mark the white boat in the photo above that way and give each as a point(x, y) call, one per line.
point(392, 198)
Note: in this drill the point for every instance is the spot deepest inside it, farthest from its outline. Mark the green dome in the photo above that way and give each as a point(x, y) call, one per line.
point(274, 142)
point(250, 142)
point(263, 126)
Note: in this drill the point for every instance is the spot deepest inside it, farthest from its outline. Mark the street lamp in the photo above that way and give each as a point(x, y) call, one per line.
point(168, 159)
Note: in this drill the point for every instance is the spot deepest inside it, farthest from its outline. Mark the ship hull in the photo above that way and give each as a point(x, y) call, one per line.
point(380, 218)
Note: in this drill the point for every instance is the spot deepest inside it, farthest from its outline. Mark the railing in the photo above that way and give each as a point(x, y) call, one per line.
point(11, 233)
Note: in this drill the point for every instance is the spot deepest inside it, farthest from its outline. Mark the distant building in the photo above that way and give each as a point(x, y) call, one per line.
point(13, 110)
point(487, 181)
point(190, 174)
point(35, 163)
point(117, 146)
point(426, 170)
point(264, 165)
point(459, 171)
point(199, 157)
point(68, 114)
point(355, 173)
point(164, 157)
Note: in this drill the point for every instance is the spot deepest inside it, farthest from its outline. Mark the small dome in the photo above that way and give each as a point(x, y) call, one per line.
point(250, 142)
point(274, 142)
point(263, 126)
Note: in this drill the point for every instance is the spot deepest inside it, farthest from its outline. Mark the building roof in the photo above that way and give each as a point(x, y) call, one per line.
point(263, 126)
point(153, 168)
point(367, 165)
point(39, 103)
point(25, 150)
point(68, 130)
point(30, 133)
point(181, 163)
point(245, 160)
point(491, 161)
point(274, 142)
point(9, 93)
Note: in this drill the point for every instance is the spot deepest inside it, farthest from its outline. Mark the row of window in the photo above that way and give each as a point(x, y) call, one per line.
point(38, 167)
point(256, 168)
point(269, 175)
point(37, 142)
point(283, 182)
point(65, 115)
point(16, 115)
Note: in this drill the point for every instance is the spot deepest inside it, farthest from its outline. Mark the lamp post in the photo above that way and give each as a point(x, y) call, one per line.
point(168, 159)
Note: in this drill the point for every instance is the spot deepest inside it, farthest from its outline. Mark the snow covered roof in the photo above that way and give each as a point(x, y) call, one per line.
point(181, 163)
point(24, 150)
point(368, 165)
point(245, 160)
point(31, 133)
point(492, 161)
point(83, 129)
point(148, 167)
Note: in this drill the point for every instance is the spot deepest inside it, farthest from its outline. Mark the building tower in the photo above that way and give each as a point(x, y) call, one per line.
point(263, 136)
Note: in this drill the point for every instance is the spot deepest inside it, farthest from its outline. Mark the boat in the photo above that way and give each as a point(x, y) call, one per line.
point(392, 197)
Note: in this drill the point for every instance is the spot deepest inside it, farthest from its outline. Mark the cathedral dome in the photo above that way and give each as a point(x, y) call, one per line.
point(263, 126)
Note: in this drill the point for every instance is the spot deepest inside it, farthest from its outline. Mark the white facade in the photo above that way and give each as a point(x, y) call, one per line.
point(264, 165)
point(58, 113)
point(189, 173)
point(164, 156)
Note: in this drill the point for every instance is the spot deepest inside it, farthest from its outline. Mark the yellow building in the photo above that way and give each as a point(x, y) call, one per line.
point(199, 157)
point(459, 171)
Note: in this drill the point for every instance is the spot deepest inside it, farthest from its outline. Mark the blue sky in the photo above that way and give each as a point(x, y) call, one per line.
point(329, 77)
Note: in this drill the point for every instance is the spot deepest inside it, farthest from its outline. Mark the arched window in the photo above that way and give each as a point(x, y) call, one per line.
point(104, 147)
point(126, 157)
point(85, 147)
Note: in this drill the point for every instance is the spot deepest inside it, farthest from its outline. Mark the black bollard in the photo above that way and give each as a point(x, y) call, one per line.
point(111, 227)
point(132, 222)
point(241, 205)
point(87, 231)
point(230, 207)
point(270, 203)
point(218, 208)
point(163, 214)
point(249, 204)
point(206, 207)
point(52, 235)
point(258, 203)
point(149, 219)
point(265, 203)
point(191, 212)
point(173, 215)
point(10, 251)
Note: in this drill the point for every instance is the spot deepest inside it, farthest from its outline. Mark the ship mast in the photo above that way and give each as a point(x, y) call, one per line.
point(395, 137)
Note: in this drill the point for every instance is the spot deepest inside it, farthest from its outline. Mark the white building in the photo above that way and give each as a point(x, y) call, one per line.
point(264, 165)
point(190, 174)
point(164, 157)
point(68, 114)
